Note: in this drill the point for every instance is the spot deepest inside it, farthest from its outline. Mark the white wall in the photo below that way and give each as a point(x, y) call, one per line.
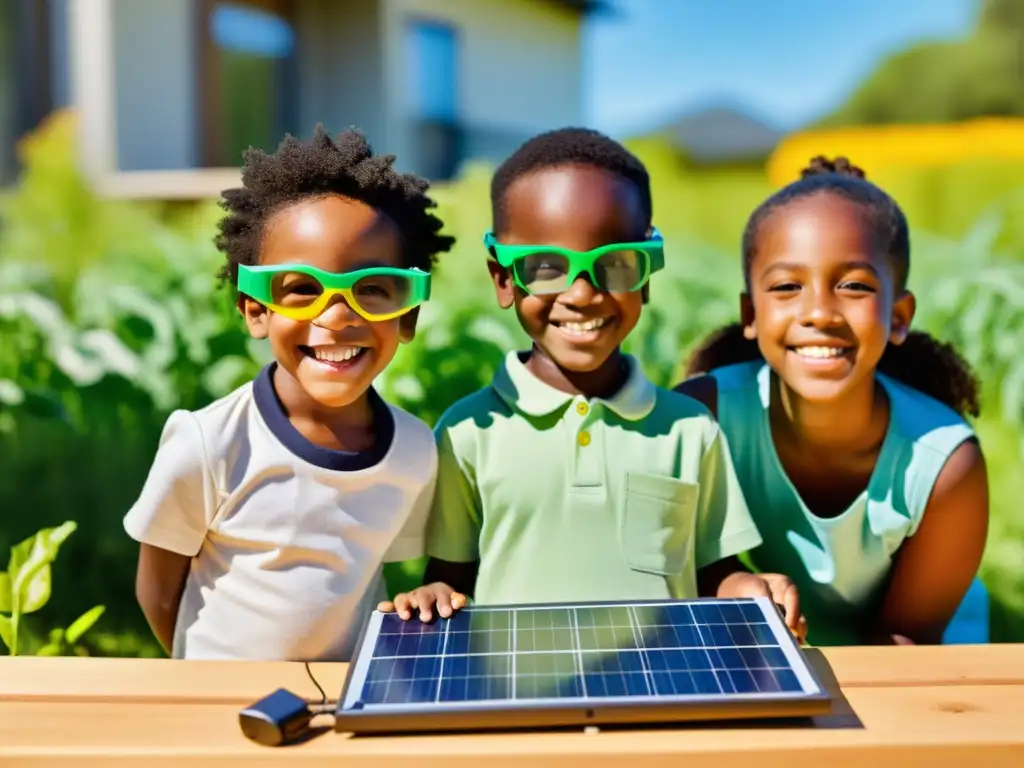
point(154, 84)
point(340, 66)
point(520, 70)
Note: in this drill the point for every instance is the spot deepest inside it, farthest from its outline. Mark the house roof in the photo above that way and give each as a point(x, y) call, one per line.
point(585, 7)
point(723, 134)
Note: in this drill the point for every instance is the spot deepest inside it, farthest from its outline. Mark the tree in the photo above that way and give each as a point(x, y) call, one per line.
point(947, 80)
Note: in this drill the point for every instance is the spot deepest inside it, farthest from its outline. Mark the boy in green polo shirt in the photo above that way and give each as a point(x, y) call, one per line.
point(572, 477)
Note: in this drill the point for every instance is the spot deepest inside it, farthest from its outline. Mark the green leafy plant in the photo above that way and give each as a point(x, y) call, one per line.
point(64, 642)
point(26, 587)
point(110, 318)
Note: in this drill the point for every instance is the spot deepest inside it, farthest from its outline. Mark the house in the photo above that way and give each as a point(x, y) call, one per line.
point(169, 92)
point(721, 135)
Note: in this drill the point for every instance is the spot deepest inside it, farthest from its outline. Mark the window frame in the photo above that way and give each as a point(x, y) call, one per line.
point(92, 90)
point(413, 20)
point(206, 84)
point(415, 120)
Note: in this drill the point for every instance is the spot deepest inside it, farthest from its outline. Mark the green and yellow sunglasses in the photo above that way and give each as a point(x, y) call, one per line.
point(545, 269)
point(302, 292)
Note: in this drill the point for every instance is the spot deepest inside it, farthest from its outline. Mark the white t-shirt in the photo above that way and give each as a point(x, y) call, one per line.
point(287, 538)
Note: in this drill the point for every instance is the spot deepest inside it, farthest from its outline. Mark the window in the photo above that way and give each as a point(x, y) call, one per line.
point(432, 84)
point(248, 80)
point(432, 60)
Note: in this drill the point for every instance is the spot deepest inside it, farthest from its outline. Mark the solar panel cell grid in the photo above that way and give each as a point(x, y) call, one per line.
point(702, 649)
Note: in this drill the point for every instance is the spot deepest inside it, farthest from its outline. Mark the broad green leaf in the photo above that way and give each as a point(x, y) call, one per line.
point(7, 632)
point(5, 592)
point(50, 649)
point(36, 588)
point(83, 623)
point(30, 566)
point(41, 544)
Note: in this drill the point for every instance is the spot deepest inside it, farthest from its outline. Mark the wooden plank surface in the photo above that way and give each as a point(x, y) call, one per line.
point(941, 706)
point(866, 666)
point(930, 725)
point(40, 678)
point(161, 680)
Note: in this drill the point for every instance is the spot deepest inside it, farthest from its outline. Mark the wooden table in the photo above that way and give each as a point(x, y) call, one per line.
point(937, 706)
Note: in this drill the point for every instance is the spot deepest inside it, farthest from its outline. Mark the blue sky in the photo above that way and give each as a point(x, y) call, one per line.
point(786, 61)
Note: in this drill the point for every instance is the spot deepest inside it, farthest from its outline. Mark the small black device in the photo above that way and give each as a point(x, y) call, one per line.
point(280, 718)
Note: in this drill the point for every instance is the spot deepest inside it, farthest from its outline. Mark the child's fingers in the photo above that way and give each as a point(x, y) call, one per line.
point(791, 602)
point(425, 605)
point(404, 603)
point(420, 601)
point(423, 600)
point(443, 598)
point(448, 601)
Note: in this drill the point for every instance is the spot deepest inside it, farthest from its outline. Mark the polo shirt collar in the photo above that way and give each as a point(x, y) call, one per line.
point(526, 393)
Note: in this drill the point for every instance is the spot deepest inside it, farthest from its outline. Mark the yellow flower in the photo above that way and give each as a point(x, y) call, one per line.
point(878, 148)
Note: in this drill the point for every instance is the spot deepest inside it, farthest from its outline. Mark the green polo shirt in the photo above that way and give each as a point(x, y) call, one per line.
point(564, 498)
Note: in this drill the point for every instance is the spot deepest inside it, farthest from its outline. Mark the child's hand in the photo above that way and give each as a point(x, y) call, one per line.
point(425, 598)
point(778, 587)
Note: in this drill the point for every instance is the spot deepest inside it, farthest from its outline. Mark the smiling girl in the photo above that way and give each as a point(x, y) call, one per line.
point(847, 429)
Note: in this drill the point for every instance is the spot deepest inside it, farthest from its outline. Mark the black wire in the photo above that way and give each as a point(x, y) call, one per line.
point(324, 706)
point(309, 672)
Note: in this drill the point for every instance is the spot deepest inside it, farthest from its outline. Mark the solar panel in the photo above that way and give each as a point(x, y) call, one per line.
point(578, 664)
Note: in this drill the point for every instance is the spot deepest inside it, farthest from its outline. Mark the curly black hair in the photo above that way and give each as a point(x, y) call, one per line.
point(569, 146)
point(345, 166)
point(921, 361)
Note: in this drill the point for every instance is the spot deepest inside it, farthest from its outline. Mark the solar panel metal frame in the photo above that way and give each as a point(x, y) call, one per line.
point(512, 714)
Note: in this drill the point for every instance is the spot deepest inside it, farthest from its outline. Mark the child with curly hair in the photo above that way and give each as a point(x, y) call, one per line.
point(847, 428)
point(267, 515)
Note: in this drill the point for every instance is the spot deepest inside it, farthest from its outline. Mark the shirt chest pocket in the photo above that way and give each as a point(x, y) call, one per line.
point(658, 519)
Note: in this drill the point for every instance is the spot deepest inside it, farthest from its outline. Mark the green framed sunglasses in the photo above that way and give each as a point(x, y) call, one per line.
point(545, 269)
point(302, 292)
